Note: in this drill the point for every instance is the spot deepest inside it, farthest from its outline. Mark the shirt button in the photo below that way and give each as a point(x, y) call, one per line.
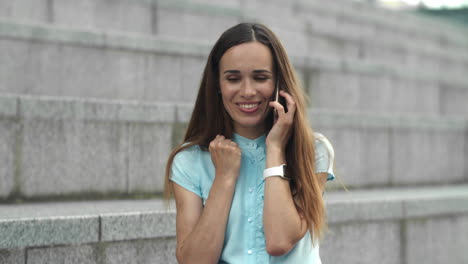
point(249, 252)
point(250, 189)
point(249, 219)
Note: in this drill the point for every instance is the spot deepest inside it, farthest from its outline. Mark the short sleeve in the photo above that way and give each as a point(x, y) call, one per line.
point(324, 156)
point(184, 170)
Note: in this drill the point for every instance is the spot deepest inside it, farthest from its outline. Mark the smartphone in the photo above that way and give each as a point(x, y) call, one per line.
point(279, 99)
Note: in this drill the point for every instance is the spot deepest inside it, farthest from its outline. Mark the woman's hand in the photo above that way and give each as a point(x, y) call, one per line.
point(282, 128)
point(226, 157)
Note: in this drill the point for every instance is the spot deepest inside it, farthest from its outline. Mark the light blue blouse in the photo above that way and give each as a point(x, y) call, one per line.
point(244, 240)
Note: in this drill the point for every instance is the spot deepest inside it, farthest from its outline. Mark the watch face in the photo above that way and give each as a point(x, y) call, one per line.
point(285, 174)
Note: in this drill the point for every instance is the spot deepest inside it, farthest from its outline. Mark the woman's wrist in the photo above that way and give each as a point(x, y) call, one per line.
point(275, 157)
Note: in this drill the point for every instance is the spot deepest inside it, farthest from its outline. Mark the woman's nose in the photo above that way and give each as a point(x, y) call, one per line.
point(247, 89)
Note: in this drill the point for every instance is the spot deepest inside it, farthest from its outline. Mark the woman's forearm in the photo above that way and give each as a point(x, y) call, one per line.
point(204, 244)
point(283, 225)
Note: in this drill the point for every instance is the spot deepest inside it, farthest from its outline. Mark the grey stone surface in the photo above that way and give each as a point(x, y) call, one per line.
point(186, 24)
point(427, 165)
point(122, 15)
point(84, 254)
point(61, 157)
point(162, 82)
point(192, 69)
point(354, 209)
point(8, 106)
point(160, 250)
point(338, 90)
point(362, 243)
point(12, 256)
point(149, 147)
point(71, 71)
point(437, 240)
point(74, 210)
point(453, 100)
point(84, 109)
point(25, 10)
point(21, 233)
point(8, 149)
point(122, 68)
point(397, 203)
point(138, 225)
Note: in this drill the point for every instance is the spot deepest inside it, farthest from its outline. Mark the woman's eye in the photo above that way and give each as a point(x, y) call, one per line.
point(233, 79)
point(261, 78)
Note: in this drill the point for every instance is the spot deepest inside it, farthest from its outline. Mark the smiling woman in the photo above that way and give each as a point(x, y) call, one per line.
point(247, 86)
point(247, 180)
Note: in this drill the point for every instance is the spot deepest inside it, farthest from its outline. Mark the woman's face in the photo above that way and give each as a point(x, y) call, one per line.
point(247, 86)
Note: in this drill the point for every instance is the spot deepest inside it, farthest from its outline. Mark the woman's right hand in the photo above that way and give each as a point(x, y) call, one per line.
point(226, 157)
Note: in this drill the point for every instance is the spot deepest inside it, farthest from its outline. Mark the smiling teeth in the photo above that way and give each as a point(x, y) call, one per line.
point(248, 106)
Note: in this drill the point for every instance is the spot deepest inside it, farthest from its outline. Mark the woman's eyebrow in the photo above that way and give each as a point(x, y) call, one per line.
point(261, 71)
point(231, 71)
point(255, 71)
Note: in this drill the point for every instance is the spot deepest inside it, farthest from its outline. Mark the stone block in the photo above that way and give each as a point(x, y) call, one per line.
point(25, 10)
point(184, 112)
point(75, 14)
point(414, 159)
point(189, 24)
point(414, 97)
point(334, 90)
point(227, 3)
point(294, 41)
point(192, 70)
point(149, 148)
point(122, 74)
point(63, 70)
point(143, 225)
point(63, 157)
point(22, 233)
point(84, 254)
point(8, 152)
point(362, 243)
point(12, 256)
point(8, 106)
point(161, 250)
point(436, 204)
point(121, 15)
point(351, 207)
point(437, 240)
point(83, 109)
point(453, 100)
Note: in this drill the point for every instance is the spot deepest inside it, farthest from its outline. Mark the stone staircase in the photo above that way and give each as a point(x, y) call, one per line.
point(94, 94)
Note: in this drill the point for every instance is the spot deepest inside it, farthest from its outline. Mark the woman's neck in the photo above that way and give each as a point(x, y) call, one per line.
point(249, 132)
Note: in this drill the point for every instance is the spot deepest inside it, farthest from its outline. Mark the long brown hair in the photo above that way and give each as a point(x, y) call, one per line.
point(209, 118)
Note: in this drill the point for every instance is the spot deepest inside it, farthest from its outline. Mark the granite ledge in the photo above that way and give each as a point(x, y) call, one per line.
point(58, 223)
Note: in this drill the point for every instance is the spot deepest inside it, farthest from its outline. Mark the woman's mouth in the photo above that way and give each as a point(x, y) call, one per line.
point(248, 107)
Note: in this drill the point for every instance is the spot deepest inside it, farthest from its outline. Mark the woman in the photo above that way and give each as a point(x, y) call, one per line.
point(236, 201)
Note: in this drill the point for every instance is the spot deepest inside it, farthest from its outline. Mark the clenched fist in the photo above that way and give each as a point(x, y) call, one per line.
point(226, 157)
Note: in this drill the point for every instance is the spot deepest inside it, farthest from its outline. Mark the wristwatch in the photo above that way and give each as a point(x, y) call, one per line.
point(278, 171)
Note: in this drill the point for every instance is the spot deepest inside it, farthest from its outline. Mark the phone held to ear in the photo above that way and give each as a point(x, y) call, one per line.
point(279, 99)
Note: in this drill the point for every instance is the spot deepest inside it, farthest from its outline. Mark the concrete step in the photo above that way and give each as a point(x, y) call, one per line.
point(189, 19)
point(365, 20)
point(57, 148)
point(176, 18)
point(63, 62)
point(310, 29)
point(413, 225)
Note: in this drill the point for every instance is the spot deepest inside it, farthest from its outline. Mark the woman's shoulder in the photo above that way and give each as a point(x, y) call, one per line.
point(323, 144)
point(189, 153)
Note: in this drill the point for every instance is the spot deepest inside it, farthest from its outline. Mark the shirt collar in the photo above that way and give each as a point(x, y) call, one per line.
point(253, 143)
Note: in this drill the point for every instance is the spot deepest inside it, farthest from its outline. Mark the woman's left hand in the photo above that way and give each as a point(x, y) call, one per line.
point(282, 128)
